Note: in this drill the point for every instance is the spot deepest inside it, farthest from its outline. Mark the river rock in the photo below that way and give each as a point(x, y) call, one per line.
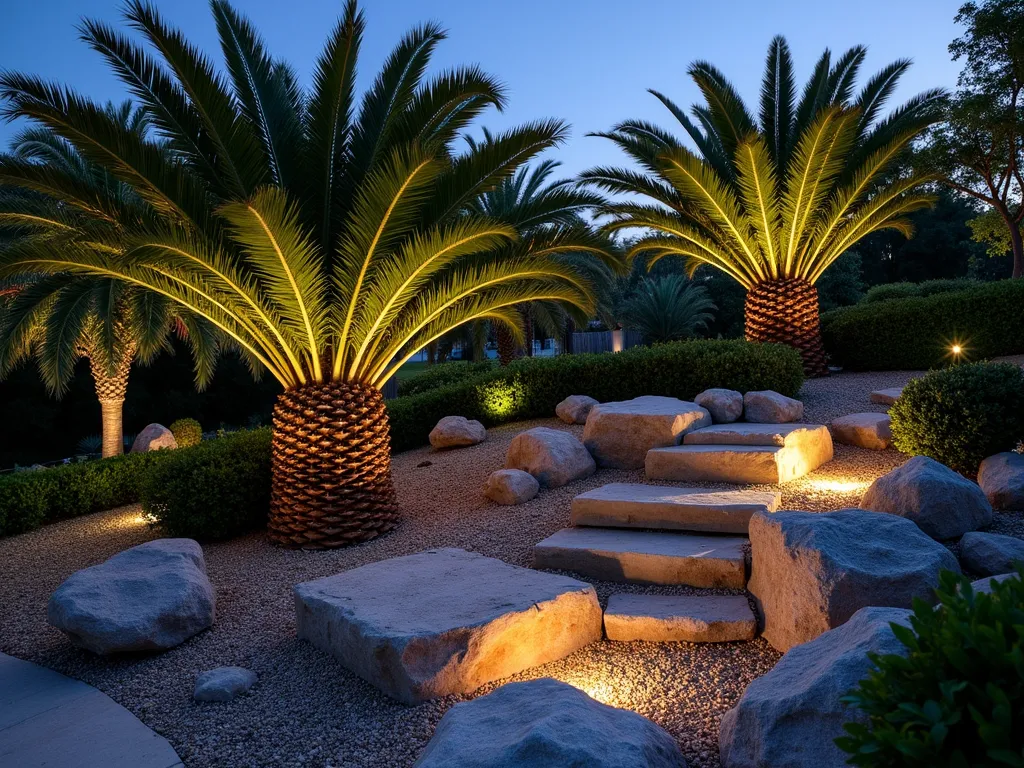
point(223, 684)
point(575, 409)
point(457, 432)
point(511, 486)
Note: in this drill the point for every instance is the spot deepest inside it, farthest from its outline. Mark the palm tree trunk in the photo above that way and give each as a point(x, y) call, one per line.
point(570, 329)
point(113, 431)
point(786, 311)
point(507, 347)
point(331, 467)
point(528, 330)
point(110, 391)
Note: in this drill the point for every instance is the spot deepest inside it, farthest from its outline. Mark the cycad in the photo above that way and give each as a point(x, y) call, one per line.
point(329, 239)
point(668, 308)
point(773, 200)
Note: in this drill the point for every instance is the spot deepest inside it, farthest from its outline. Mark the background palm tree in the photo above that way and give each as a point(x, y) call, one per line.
point(773, 200)
point(328, 238)
point(668, 308)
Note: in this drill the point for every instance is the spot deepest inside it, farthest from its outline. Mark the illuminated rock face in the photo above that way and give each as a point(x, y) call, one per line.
point(543, 723)
point(444, 621)
point(456, 432)
point(575, 409)
point(153, 437)
point(554, 457)
point(791, 715)
point(864, 430)
point(620, 434)
point(679, 618)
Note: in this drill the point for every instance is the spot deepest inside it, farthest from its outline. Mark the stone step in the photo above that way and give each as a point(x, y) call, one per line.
point(679, 618)
point(779, 435)
point(633, 505)
point(647, 557)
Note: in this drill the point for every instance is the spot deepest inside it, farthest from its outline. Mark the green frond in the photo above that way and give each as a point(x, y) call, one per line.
point(759, 192)
point(778, 97)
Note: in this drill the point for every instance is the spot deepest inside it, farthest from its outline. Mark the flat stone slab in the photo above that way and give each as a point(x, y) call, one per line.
point(679, 618)
point(619, 434)
point(864, 430)
point(886, 396)
point(48, 720)
point(634, 505)
point(445, 621)
point(778, 435)
point(648, 557)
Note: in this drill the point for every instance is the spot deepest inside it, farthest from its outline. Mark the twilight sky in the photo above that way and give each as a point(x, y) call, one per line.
point(587, 61)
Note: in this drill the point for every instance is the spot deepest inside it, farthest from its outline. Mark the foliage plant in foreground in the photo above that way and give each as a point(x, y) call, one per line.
point(956, 699)
point(961, 415)
point(328, 238)
point(187, 432)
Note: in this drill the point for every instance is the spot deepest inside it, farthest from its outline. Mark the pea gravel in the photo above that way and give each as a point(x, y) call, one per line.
point(308, 711)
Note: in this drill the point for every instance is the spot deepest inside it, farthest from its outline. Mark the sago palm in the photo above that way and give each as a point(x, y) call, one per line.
point(773, 199)
point(668, 308)
point(328, 238)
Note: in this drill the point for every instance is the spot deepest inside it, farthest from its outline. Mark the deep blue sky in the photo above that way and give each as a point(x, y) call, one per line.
point(587, 61)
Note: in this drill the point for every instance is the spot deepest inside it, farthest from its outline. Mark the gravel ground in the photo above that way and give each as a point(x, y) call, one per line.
point(306, 709)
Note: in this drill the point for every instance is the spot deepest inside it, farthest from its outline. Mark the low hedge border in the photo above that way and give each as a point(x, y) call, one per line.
point(916, 333)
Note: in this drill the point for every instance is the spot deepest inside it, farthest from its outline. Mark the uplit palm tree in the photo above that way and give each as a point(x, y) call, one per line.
point(668, 308)
point(774, 200)
point(328, 239)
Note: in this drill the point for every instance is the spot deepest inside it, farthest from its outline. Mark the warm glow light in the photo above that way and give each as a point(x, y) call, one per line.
point(840, 486)
point(598, 687)
point(957, 349)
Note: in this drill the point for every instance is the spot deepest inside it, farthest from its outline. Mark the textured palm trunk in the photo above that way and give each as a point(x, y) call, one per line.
point(507, 348)
point(528, 331)
point(331, 467)
point(786, 311)
point(110, 391)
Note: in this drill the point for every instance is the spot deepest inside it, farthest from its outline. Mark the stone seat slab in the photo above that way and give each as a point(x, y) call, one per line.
point(445, 621)
point(741, 433)
point(647, 557)
point(634, 505)
point(679, 618)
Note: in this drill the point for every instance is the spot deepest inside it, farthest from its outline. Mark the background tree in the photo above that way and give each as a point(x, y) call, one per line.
point(774, 200)
point(669, 308)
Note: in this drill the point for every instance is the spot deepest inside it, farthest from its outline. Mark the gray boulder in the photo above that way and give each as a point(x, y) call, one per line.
point(546, 724)
point(990, 554)
point(768, 407)
point(550, 455)
point(153, 438)
point(457, 432)
point(148, 598)
point(985, 585)
point(944, 504)
point(724, 405)
point(1001, 478)
point(620, 434)
point(575, 409)
point(864, 430)
point(810, 571)
point(511, 486)
point(223, 684)
point(791, 715)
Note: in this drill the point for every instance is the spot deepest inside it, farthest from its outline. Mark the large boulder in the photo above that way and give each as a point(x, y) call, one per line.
point(724, 405)
point(153, 438)
point(810, 571)
point(768, 407)
point(1001, 478)
point(620, 434)
point(944, 504)
point(575, 409)
point(445, 621)
point(550, 455)
point(791, 715)
point(223, 684)
point(864, 430)
point(457, 432)
point(511, 486)
point(990, 554)
point(546, 724)
point(148, 598)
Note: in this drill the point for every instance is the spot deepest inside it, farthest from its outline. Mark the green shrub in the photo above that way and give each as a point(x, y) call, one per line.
point(531, 388)
point(30, 499)
point(962, 414)
point(441, 375)
point(889, 291)
point(934, 287)
point(917, 333)
point(214, 490)
point(957, 698)
point(187, 432)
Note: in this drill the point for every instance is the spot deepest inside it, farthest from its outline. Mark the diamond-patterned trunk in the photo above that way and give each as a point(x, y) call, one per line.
point(110, 391)
point(786, 311)
point(331, 467)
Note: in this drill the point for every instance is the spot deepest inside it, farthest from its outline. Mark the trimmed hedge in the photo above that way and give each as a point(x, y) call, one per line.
point(443, 374)
point(916, 333)
point(890, 291)
point(31, 498)
point(531, 388)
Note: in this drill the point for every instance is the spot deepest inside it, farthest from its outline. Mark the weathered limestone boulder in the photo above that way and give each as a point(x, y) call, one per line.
point(444, 621)
point(810, 572)
point(886, 396)
point(864, 430)
point(620, 434)
point(768, 407)
point(550, 455)
point(943, 503)
point(148, 598)
point(724, 405)
point(1001, 478)
point(153, 438)
point(546, 723)
point(511, 486)
point(985, 585)
point(990, 554)
point(457, 432)
point(575, 409)
point(679, 618)
point(223, 684)
point(792, 715)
